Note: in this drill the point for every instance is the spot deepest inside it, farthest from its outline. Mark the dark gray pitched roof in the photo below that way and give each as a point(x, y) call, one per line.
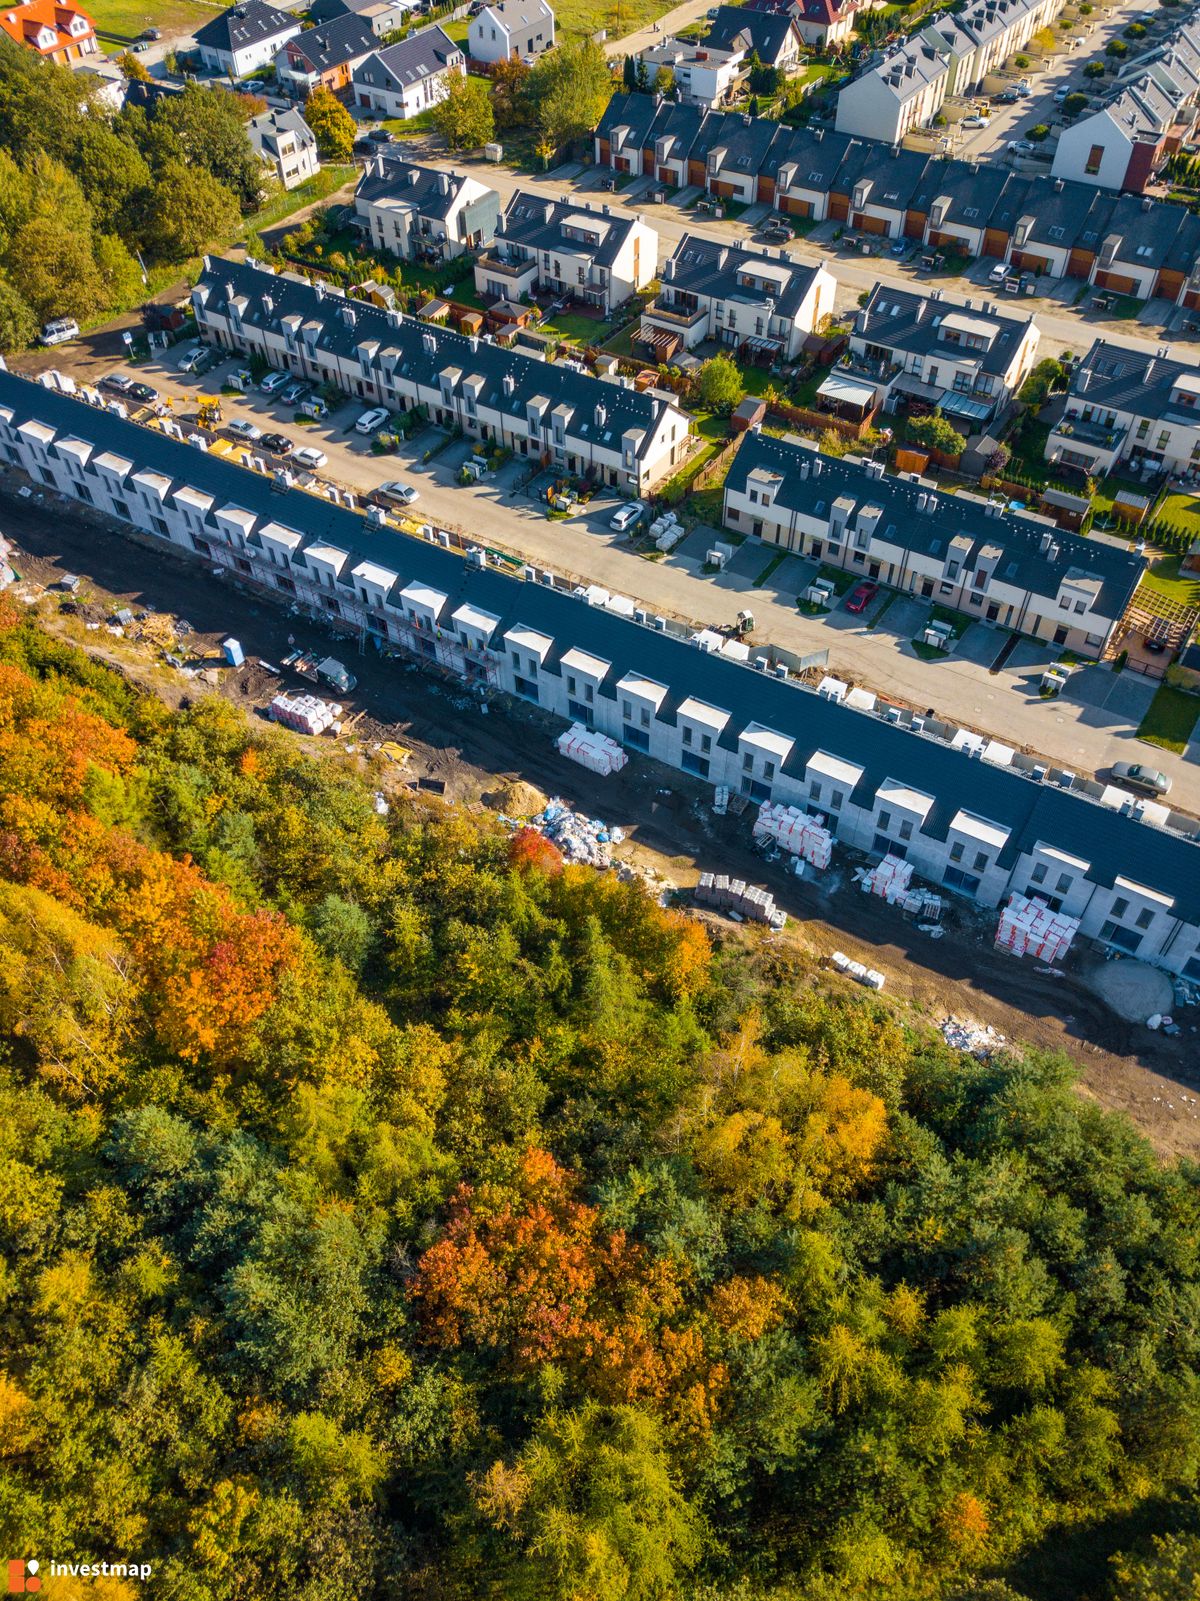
point(914, 324)
point(712, 267)
point(333, 43)
point(930, 532)
point(428, 191)
point(1134, 381)
point(288, 295)
point(634, 111)
point(245, 24)
point(537, 223)
point(419, 56)
point(768, 31)
point(1113, 844)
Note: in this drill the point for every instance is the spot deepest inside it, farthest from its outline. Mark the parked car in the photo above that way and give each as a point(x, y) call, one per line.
point(1144, 780)
point(381, 136)
point(143, 394)
point(1155, 646)
point(371, 421)
point(625, 516)
point(393, 493)
point(197, 360)
point(999, 273)
point(273, 381)
point(974, 122)
point(862, 595)
point(245, 429)
point(254, 86)
point(59, 331)
point(277, 444)
point(118, 383)
point(1022, 91)
point(310, 456)
point(151, 33)
point(1060, 95)
point(293, 394)
point(1008, 98)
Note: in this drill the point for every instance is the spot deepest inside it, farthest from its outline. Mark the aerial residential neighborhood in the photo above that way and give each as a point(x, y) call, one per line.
point(600, 800)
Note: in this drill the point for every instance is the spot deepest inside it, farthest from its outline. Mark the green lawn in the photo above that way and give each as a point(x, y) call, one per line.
point(120, 21)
point(577, 326)
point(290, 201)
point(1183, 511)
point(457, 31)
point(1170, 719)
point(578, 18)
point(1164, 577)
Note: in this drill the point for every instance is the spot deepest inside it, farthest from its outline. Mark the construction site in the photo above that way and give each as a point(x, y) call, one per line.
point(748, 872)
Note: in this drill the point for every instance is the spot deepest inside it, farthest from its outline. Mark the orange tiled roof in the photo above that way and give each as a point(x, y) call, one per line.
point(24, 22)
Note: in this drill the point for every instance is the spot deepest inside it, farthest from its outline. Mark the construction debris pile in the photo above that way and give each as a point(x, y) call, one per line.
point(657, 885)
point(869, 976)
point(889, 878)
point(796, 831)
point(1030, 928)
point(977, 1039)
point(741, 900)
point(596, 752)
point(306, 714)
point(579, 838)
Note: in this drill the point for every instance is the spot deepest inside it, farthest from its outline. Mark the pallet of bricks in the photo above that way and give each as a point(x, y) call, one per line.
point(596, 752)
point(796, 831)
point(1029, 927)
point(734, 895)
point(307, 714)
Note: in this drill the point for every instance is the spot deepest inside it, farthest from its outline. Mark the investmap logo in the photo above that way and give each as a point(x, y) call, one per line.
point(23, 1577)
point(24, 1574)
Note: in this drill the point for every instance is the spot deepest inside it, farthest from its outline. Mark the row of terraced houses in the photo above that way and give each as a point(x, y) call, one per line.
point(1130, 244)
point(969, 814)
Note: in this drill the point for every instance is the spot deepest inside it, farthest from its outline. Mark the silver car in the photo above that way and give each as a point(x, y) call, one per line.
point(1145, 780)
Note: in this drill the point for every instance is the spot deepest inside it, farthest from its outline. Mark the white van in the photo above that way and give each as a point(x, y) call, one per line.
point(59, 331)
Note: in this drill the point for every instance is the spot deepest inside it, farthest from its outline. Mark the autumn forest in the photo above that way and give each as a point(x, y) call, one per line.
point(389, 1211)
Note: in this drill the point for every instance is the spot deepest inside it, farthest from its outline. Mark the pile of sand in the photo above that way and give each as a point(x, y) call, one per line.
point(515, 798)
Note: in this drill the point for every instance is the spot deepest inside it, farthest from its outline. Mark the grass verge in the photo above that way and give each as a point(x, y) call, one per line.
point(1170, 719)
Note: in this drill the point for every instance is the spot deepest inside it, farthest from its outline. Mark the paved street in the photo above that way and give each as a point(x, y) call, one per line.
point(1086, 734)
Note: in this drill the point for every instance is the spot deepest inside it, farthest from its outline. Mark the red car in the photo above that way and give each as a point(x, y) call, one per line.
point(862, 595)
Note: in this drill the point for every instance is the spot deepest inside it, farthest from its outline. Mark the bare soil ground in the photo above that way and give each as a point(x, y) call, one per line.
point(667, 818)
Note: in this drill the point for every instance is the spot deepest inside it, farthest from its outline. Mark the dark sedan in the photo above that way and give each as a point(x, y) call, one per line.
point(277, 444)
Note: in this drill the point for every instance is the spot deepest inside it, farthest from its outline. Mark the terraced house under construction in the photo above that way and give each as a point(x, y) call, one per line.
point(548, 412)
point(982, 826)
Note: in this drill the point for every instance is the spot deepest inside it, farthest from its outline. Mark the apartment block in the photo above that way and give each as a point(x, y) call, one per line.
point(1129, 408)
point(960, 551)
point(979, 826)
point(598, 256)
point(761, 303)
point(620, 436)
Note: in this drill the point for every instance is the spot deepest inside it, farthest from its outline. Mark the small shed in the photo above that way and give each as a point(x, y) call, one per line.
point(911, 460)
point(470, 322)
point(433, 310)
point(1067, 510)
point(1191, 562)
point(847, 397)
point(382, 295)
point(751, 411)
point(1129, 506)
point(506, 316)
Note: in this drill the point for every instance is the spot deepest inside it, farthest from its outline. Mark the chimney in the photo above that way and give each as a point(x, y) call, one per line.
point(444, 183)
point(510, 384)
point(601, 416)
point(268, 305)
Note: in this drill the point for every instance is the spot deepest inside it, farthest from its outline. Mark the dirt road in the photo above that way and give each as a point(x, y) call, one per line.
point(668, 819)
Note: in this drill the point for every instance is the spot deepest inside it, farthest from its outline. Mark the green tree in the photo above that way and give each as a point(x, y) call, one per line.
point(1049, 375)
point(1094, 69)
point(1116, 48)
point(721, 384)
point(18, 324)
point(569, 89)
point(629, 75)
point(133, 67)
point(1037, 133)
point(464, 116)
point(592, 1506)
point(1074, 104)
point(510, 81)
point(111, 170)
point(343, 930)
point(331, 123)
point(1169, 1572)
point(937, 433)
point(119, 272)
point(185, 210)
point(52, 268)
point(210, 126)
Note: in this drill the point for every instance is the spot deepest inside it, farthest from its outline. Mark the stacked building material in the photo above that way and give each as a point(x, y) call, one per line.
point(596, 752)
point(740, 899)
point(889, 878)
point(1029, 927)
point(870, 976)
point(796, 831)
point(978, 1039)
point(307, 714)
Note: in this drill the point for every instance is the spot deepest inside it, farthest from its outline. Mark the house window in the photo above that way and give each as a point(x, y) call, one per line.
point(906, 830)
point(956, 851)
point(885, 821)
point(687, 736)
point(955, 878)
point(981, 861)
point(1144, 918)
point(836, 800)
point(706, 743)
point(747, 762)
point(1120, 906)
point(814, 791)
point(1064, 884)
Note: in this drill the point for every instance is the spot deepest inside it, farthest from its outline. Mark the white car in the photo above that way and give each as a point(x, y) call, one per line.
point(59, 331)
point(310, 456)
point(245, 430)
point(626, 516)
point(974, 122)
point(999, 273)
point(274, 380)
point(371, 421)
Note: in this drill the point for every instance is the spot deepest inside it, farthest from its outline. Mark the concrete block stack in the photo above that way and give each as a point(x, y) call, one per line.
point(1028, 927)
point(889, 878)
point(596, 752)
point(739, 899)
point(796, 831)
point(306, 714)
point(859, 971)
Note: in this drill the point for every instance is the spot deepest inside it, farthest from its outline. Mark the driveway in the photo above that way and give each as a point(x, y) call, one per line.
point(904, 617)
point(1111, 697)
point(979, 644)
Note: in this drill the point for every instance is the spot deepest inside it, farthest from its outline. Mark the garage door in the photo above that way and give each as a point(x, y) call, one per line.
point(1117, 281)
point(1022, 260)
point(797, 208)
point(870, 224)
